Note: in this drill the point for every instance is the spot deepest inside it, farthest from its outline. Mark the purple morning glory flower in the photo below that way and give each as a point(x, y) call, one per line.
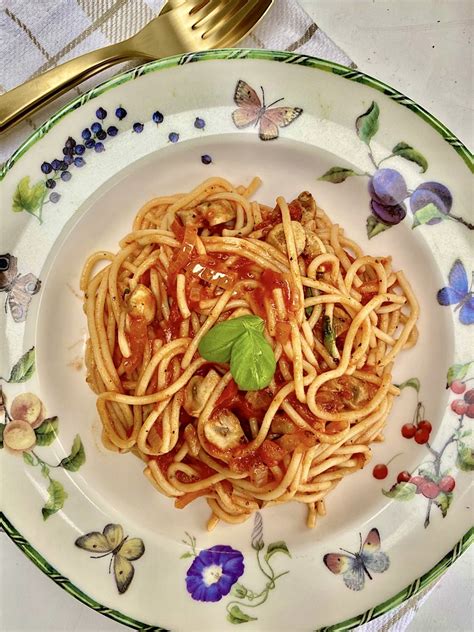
point(213, 573)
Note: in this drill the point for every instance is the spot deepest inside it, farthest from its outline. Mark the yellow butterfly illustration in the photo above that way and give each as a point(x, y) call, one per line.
point(124, 551)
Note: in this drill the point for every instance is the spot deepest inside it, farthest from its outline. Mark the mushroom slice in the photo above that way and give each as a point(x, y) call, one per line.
point(313, 247)
point(223, 430)
point(215, 212)
point(307, 201)
point(198, 391)
point(27, 407)
point(142, 303)
point(276, 237)
point(19, 435)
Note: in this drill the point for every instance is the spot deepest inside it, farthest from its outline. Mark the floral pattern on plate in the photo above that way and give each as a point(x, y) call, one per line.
point(433, 479)
point(214, 573)
point(430, 203)
point(27, 427)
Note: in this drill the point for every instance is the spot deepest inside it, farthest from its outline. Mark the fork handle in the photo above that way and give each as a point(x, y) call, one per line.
point(22, 101)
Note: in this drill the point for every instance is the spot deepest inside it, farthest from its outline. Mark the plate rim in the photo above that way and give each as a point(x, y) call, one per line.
point(227, 54)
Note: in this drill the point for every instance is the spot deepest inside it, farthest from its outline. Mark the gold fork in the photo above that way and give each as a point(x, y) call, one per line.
point(183, 26)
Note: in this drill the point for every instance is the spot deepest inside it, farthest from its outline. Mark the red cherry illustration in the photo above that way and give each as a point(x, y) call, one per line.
point(408, 431)
point(429, 489)
point(380, 471)
point(458, 387)
point(459, 406)
point(403, 477)
point(447, 484)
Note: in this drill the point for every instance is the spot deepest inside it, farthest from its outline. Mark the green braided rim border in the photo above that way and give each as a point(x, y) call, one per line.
point(290, 58)
point(411, 590)
point(244, 53)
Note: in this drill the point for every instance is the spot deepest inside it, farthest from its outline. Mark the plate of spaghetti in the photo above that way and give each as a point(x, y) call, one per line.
point(238, 334)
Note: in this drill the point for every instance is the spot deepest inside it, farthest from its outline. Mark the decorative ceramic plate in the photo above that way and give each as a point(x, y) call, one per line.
point(74, 186)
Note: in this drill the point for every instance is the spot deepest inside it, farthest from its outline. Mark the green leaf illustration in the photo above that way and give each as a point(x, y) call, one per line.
point(426, 214)
point(29, 198)
point(457, 372)
point(367, 124)
point(77, 457)
point(413, 382)
point(24, 368)
point(406, 151)
point(185, 555)
point(465, 457)
point(375, 227)
point(443, 501)
point(336, 175)
point(235, 615)
point(28, 458)
point(277, 547)
point(2, 428)
point(401, 491)
point(239, 591)
point(45, 470)
point(55, 502)
point(46, 433)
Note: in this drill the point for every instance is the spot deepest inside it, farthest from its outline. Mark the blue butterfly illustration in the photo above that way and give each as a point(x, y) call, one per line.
point(354, 566)
point(459, 293)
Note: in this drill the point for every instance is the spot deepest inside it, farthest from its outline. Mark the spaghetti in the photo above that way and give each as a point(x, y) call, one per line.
point(335, 320)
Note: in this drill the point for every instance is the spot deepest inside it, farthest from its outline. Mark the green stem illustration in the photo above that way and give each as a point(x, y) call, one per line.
point(438, 455)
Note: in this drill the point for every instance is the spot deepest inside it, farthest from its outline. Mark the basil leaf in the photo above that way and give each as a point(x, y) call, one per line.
point(252, 362)
point(216, 345)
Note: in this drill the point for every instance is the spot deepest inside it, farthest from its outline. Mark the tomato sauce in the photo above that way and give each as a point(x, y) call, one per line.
point(138, 339)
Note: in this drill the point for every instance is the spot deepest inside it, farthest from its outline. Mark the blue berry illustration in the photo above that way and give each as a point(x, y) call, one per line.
point(99, 147)
point(138, 128)
point(79, 162)
point(68, 160)
point(66, 176)
point(206, 159)
point(96, 127)
point(112, 131)
point(158, 117)
point(56, 164)
point(62, 166)
point(101, 114)
point(120, 113)
point(68, 151)
point(173, 137)
point(70, 142)
point(102, 135)
point(432, 193)
point(86, 133)
point(387, 186)
point(79, 150)
point(46, 167)
point(199, 123)
point(89, 143)
point(50, 183)
point(54, 197)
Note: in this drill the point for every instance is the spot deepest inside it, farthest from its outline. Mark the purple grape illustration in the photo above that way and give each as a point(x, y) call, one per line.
point(430, 203)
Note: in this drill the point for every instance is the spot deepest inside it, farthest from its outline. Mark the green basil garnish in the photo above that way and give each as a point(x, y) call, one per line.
point(240, 341)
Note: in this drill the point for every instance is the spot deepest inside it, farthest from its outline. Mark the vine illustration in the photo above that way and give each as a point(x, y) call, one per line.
point(26, 427)
point(433, 478)
point(430, 203)
point(214, 572)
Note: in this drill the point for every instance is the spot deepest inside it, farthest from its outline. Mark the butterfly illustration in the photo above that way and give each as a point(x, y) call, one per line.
point(19, 288)
point(354, 566)
point(124, 551)
point(252, 111)
point(459, 293)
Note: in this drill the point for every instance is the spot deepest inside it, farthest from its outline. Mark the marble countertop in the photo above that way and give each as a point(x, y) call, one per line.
point(424, 49)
